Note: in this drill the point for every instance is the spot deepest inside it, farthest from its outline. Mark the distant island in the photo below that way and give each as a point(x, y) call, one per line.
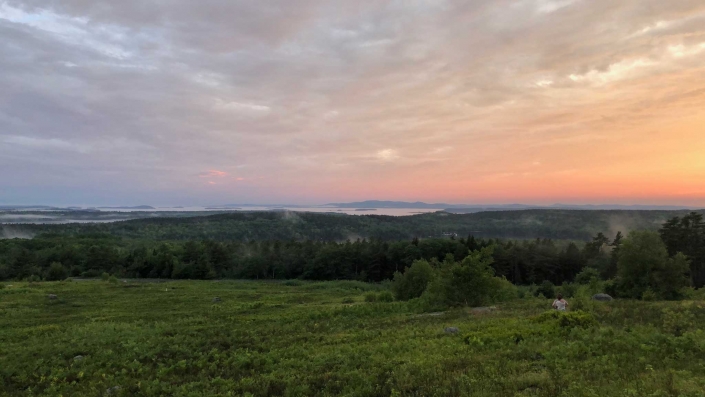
point(470, 208)
point(136, 207)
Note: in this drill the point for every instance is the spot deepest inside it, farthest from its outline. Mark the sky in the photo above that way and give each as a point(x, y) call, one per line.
point(310, 101)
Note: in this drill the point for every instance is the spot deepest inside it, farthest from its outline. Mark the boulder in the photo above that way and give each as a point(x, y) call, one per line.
point(216, 299)
point(52, 297)
point(451, 330)
point(601, 297)
point(78, 358)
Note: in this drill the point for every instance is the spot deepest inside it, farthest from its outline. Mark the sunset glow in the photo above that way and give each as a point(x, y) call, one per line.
point(531, 101)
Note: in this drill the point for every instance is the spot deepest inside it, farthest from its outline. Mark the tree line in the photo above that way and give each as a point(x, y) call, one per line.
point(522, 262)
point(578, 225)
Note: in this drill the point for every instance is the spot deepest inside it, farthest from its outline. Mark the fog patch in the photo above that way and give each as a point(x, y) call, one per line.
point(10, 232)
point(291, 216)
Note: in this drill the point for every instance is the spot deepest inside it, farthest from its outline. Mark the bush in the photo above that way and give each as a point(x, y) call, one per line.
point(348, 300)
point(34, 278)
point(568, 290)
point(582, 300)
point(587, 276)
point(91, 273)
point(568, 320)
point(413, 282)
point(385, 296)
point(678, 322)
point(547, 289)
point(105, 276)
point(502, 290)
point(113, 280)
point(2, 286)
point(57, 272)
point(370, 297)
point(292, 283)
point(648, 295)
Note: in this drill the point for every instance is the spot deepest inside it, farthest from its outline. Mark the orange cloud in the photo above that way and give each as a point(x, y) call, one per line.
point(213, 174)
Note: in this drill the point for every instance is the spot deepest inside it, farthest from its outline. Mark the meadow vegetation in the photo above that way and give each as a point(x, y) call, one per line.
point(330, 338)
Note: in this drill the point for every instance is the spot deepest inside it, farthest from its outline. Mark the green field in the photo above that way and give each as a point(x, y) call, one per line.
point(306, 339)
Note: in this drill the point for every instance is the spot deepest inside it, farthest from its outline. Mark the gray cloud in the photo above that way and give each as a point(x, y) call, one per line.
point(141, 98)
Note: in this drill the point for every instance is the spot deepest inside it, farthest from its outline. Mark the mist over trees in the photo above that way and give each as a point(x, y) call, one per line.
point(645, 262)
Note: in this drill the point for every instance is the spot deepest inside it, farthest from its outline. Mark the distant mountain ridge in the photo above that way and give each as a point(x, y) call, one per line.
point(500, 207)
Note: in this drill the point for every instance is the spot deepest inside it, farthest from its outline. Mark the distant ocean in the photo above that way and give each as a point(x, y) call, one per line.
point(349, 211)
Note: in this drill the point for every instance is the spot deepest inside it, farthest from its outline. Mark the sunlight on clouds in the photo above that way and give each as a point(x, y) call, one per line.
point(616, 71)
point(387, 155)
point(239, 107)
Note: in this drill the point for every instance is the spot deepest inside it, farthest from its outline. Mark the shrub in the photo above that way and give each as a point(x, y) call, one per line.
point(587, 276)
point(568, 320)
point(502, 290)
point(413, 282)
point(547, 289)
point(568, 289)
point(91, 273)
point(348, 300)
point(385, 296)
point(2, 286)
point(34, 279)
point(57, 272)
point(677, 322)
point(370, 297)
point(292, 283)
point(648, 295)
point(105, 276)
point(113, 280)
point(582, 300)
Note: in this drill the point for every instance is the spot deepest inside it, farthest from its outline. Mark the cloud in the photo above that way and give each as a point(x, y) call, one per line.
point(213, 174)
point(311, 93)
point(387, 155)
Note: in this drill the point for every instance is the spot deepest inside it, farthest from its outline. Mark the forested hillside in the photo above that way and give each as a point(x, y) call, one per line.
point(248, 226)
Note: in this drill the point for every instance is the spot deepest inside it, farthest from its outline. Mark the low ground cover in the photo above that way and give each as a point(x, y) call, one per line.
point(331, 338)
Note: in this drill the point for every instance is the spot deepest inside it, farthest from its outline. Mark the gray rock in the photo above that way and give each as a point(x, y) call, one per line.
point(216, 299)
point(601, 297)
point(52, 296)
point(451, 330)
point(78, 358)
point(113, 391)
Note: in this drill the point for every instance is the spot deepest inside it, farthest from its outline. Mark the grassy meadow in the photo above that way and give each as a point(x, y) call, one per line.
point(322, 339)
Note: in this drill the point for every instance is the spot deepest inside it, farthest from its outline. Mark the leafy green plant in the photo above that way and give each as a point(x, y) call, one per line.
point(648, 295)
point(348, 300)
point(385, 296)
point(677, 322)
point(412, 283)
point(34, 278)
point(113, 280)
point(370, 297)
point(547, 289)
point(105, 276)
point(56, 272)
point(575, 319)
point(587, 276)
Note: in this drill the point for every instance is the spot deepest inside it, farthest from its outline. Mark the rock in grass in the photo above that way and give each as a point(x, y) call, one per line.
point(601, 297)
point(113, 391)
point(52, 297)
point(452, 330)
point(216, 299)
point(78, 358)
